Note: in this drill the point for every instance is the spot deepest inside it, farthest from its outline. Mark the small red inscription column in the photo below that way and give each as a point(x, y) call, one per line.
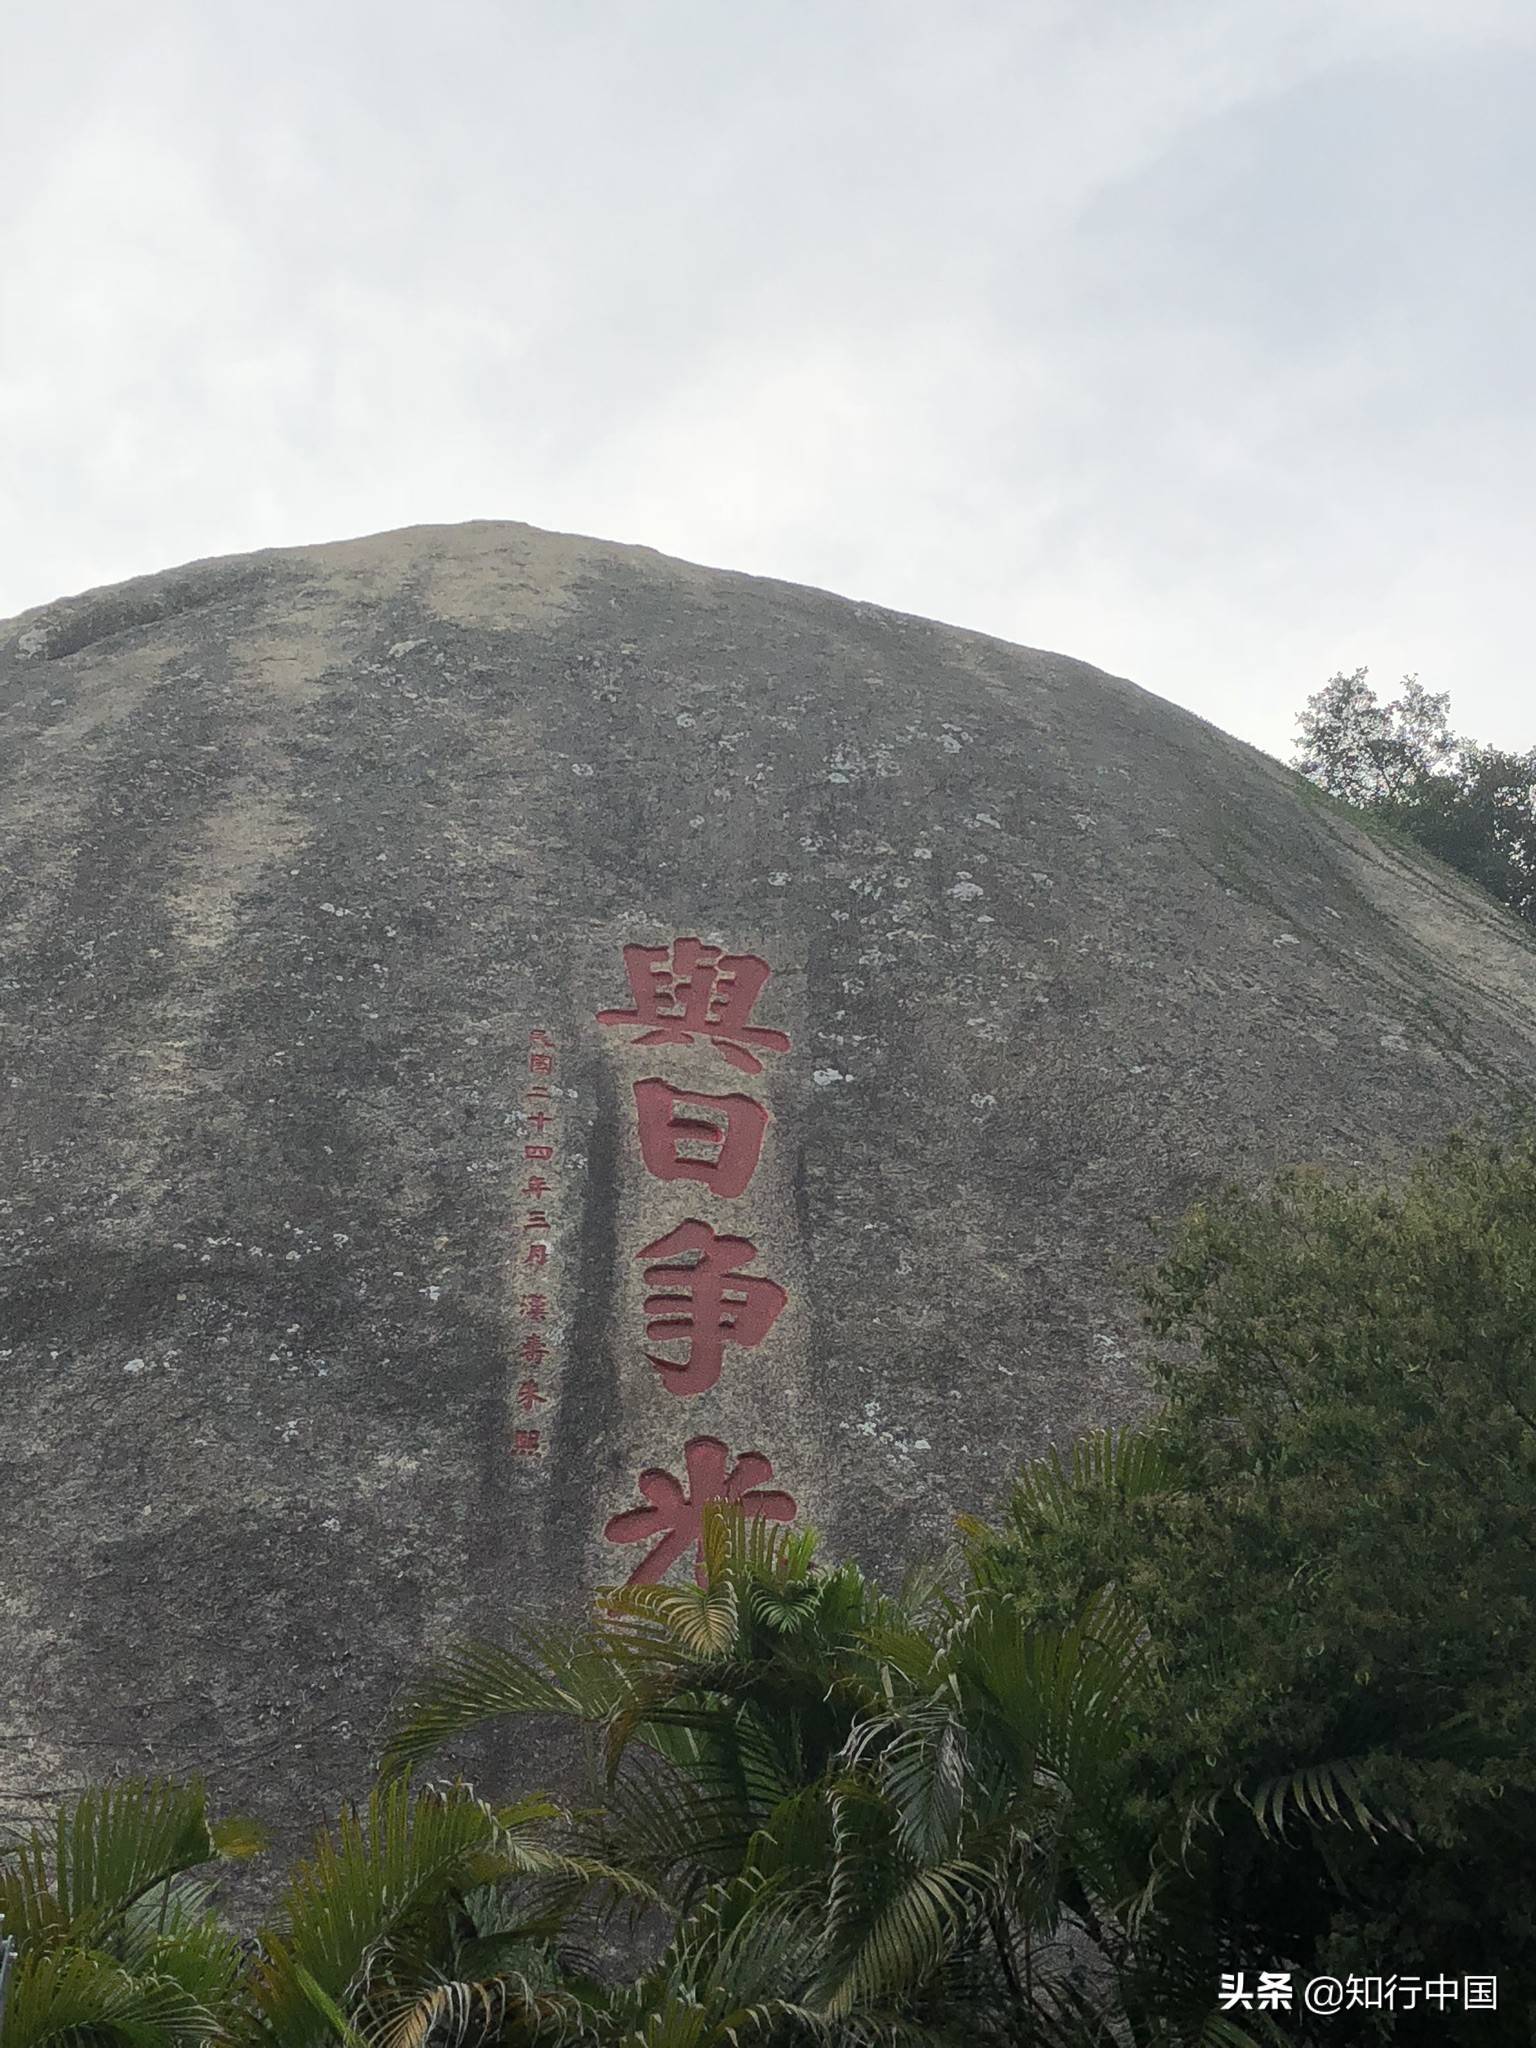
point(541, 1146)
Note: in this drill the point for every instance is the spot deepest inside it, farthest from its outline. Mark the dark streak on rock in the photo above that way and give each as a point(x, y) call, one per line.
point(84, 622)
point(583, 1465)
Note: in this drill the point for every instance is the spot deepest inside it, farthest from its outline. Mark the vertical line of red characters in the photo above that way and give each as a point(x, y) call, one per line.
point(700, 1296)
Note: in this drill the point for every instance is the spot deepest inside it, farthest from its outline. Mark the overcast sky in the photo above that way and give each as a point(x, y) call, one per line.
point(1195, 340)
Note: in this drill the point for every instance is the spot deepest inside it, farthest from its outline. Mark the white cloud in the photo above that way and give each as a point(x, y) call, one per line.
point(1188, 339)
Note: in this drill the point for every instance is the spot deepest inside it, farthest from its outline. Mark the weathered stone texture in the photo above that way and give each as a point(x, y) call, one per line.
point(298, 849)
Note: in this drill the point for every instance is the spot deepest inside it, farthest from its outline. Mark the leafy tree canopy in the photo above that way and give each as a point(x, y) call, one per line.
point(1473, 806)
point(1329, 1531)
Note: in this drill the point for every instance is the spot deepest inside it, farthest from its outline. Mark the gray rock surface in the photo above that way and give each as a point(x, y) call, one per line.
point(307, 854)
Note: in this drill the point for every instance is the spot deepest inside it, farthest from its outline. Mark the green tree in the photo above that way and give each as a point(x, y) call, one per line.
point(873, 1816)
point(1331, 1538)
point(112, 1911)
point(1472, 806)
point(430, 1915)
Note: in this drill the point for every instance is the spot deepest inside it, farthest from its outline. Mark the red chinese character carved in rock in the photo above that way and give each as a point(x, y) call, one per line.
point(528, 1396)
point(728, 1128)
point(690, 991)
point(525, 1442)
point(677, 1517)
point(706, 1305)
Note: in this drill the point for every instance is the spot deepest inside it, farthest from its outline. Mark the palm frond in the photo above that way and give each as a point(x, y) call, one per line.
point(903, 1942)
point(572, 1674)
point(1326, 1795)
point(68, 1996)
point(361, 1885)
point(919, 1760)
point(385, 1897)
point(174, 1932)
point(316, 1995)
point(796, 1839)
point(455, 2012)
point(740, 1546)
point(107, 1848)
point(1108, 1469)
point(1063, 1700)
point(702, 1621)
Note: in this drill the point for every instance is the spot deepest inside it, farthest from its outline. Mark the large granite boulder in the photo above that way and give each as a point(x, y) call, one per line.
point(490, 1015)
